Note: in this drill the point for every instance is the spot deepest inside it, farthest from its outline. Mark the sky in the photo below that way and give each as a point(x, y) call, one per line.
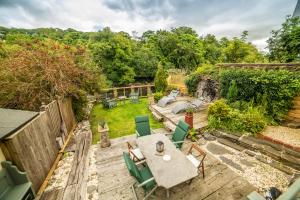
point(219, 17)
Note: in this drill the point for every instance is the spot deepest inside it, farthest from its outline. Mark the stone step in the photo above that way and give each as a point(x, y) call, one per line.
point(157, 116)
point(169, 125)
point(280, 153)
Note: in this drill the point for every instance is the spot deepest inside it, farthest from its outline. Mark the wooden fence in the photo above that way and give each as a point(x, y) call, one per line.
point(34, 147)
point(143, 90)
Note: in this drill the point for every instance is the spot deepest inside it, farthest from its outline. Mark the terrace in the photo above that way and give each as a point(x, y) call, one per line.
point(231, 171)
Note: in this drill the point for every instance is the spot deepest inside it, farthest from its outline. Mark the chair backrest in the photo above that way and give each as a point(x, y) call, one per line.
point(142, 125)
point(173, 93)
point(5, 182)
point(132, 168)
point(180, 133)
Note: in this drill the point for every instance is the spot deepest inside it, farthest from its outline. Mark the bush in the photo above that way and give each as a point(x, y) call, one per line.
point(79, 104)
point(39, 71)
point(191, 82)
point(232, 92)
point(158, 96)
point(220, 110)
point(160, 80)
point(278, 87)
point(222, 116)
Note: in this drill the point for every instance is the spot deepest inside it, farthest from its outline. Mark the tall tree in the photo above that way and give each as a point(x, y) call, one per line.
point(284, 44)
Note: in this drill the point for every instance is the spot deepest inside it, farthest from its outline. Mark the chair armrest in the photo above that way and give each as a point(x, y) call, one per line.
point(178, 142)
point(137, 133)
point(140, 162)
point(169, 133)
point(146, 181)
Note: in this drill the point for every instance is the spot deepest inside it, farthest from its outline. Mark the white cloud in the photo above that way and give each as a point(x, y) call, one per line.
point(222, 18)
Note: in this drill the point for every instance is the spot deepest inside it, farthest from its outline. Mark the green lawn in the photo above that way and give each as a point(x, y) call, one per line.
point(121, 118)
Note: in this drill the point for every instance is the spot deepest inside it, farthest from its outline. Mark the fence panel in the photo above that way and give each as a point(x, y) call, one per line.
point(33, 148)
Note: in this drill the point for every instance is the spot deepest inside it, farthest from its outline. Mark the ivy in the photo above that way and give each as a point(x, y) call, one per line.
point(278, 86)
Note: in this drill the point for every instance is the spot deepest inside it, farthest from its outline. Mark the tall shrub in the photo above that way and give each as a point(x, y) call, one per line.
point(232, 92)
point(160, 80)
point(279, 87)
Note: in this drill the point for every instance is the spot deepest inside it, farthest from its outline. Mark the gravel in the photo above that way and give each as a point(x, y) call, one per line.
point(285, 134)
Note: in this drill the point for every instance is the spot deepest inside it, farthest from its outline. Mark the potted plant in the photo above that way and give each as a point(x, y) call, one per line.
point(189, 117)
point(103, 131)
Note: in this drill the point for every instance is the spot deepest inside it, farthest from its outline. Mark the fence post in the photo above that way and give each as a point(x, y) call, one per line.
point(149, 92)
point(115, 93)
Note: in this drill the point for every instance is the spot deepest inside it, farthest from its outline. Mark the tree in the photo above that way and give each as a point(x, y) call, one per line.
point(237, 51)
point(284, 44)
point(212, 49)
point(160, 80)
point(114, 57)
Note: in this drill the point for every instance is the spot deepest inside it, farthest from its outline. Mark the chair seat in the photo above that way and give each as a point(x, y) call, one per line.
point(17, 192)
point(137, 152)
point(193, 160)
point(146, 174)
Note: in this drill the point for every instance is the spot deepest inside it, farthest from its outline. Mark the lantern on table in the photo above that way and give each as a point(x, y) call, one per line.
point(159, 146)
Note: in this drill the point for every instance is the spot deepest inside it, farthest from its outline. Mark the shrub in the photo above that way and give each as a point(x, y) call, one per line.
point(232, 92)
point(222, 116)
point(220, 110)
point(160, 80)
point(191, 82)
point(41, 70)
point(278, 87)
point(79, 104)
point(158, 96)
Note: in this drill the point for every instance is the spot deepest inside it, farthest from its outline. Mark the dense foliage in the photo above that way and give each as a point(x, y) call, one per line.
point(160, 80)
point(253, 98)
point(33, 71)
point(125, 59)
point(278, 86)
point(284, 44)
point(249, 120)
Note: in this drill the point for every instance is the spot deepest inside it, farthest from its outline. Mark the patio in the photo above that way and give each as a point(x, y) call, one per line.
point(114, 179)
point(171, 119)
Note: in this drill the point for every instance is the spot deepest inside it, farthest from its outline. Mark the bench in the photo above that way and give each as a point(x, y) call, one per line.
point(14, 184)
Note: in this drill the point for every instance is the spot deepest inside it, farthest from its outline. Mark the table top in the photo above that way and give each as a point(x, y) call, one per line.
point(166, 173)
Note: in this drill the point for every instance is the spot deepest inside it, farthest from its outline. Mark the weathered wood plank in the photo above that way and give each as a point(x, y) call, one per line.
point(33, 148)
point(77, 181)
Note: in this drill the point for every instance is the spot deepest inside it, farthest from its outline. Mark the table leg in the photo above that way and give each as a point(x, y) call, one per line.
point(168, 193)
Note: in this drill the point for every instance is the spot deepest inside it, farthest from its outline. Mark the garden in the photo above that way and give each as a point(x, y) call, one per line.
point(120, 119)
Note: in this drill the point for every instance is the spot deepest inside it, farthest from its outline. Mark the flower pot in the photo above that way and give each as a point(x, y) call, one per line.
point(189, 118)
point(104, 137)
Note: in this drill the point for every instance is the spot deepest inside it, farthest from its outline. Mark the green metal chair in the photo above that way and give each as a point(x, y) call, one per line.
point(134, 97)
point(109, 103)
point(143, 176)
point(180, 133)
point(142, 126)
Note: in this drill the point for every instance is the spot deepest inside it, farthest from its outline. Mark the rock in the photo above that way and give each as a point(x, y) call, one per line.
point(91, 188)
point(231, 163)
point(208, 89)
point(217, 149)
